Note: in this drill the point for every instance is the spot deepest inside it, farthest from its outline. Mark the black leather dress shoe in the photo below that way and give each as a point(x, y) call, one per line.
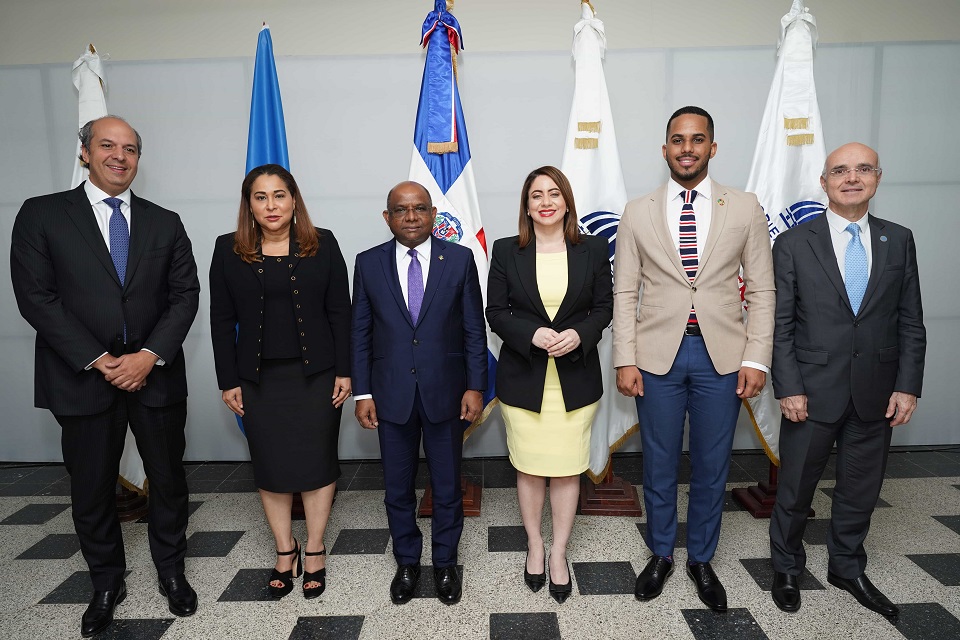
point(866, 594)
point(404, 583)
point(709, 589)
point(446, 581)
point(651, 580)
point(181, 598)
point(99, 613)
point(785, 592)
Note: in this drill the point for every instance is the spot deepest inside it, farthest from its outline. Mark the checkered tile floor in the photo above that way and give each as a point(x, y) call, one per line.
point(914, 548)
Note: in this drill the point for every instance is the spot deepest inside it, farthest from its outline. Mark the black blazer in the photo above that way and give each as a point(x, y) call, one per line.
point(823, 350)
point(319, 293)
point(515, 312)
point(67, 288)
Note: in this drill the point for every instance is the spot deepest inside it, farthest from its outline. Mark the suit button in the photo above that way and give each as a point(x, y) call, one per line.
point(295, 292)
point(415, 342)
point(306, 362)
point(259, 270)
point(126, 299)
point(856, 354)
point(304, 348)
point(302, 334)
point(694, 289)
point(413, 370)
point(857, 323)
point(298, 306)
point(293, 277)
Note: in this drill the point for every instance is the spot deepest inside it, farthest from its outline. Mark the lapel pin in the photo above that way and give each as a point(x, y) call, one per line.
point(440, 258)
point(883, 238)
point(720, 202)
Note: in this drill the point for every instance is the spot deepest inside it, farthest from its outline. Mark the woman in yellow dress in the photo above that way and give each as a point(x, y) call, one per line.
point(549, 297)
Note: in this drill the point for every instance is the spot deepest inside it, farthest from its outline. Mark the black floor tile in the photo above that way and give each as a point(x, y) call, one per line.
point(49, 473)
point(213, 471)
point(499, 478)
point(633, 477)
point(35, 514)
point(943, 469)
point(512, 538)
point(327, 628)
point(58, 488)
point(761, 570)
point(472, 467)
point(524, 626)
point(192, 506)
point(907, 470)
point(16, 474)
point(56, 546)
point(729, 503)
point(248, 585)
point(742, 475)
point(921, 458)
point(367, 483)
point(945, 567)
point(361, 541)
point(243, 471)
point(816, 531)
point(622, 464)
point(212, 544)
point(927, 621)
point(953, 522)
point(131, 629)
point(370, 470)
point(22, 489)
point(735, 623)
point(604, 578)
point(425, 587)
point(881, 503)
point(681, 533)
point(956, 486)
point(203, 486)
point(752, 461)
point(76, 589)
point(237, 485)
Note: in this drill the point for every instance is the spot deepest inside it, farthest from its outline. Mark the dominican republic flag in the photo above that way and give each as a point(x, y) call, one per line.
point(786, 168)
point(441, 161)
point(88, 78)
point(267, 137)
point(591, 161)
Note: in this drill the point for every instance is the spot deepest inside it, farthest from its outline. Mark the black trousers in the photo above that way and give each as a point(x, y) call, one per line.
point(805, 447)
point(92, 446)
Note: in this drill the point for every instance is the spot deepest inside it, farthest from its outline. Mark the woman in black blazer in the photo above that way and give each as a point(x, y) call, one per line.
point(280, 324)
point(549, 297)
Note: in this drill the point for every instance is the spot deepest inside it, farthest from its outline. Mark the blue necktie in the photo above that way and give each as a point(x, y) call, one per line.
point(855, 268)
point(414, 286)
point(119, 244)
point(688, 241)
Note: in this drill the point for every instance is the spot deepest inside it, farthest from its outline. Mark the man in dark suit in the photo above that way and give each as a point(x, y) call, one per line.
point(109, 282)
point(419, 366)
point(848, 357)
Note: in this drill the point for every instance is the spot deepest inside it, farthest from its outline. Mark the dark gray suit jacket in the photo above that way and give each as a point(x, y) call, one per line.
point(67, 288)
point(821, 348)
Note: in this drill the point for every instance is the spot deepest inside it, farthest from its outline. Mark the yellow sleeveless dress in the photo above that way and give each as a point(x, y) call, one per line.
point(553, 443)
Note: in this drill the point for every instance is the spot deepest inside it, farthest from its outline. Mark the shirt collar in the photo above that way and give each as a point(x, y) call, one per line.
point(422, 249)
point(95, 194)
point(703, 189)
point(839, 224)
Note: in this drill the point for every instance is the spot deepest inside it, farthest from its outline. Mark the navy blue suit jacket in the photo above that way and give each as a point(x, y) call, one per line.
point(444, 354)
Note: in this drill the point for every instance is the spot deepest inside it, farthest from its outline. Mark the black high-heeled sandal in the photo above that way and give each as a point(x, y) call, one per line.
point(285, 578)
point(561, 592)
point(314, 576)
point(535, 581)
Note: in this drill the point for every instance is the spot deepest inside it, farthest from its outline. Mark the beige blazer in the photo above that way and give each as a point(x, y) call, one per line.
point(652, 294)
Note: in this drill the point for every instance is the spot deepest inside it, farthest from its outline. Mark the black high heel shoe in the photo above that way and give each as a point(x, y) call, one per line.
point(561, 592)
point(534, 580)
point(285, 578)
point(314, 576)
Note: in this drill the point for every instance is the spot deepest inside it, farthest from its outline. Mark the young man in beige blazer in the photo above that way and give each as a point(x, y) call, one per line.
point(681, 345)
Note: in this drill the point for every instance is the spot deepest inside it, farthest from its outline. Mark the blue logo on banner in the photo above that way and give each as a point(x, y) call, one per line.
point(602, 223)
point(447, 227)
point(797, 213)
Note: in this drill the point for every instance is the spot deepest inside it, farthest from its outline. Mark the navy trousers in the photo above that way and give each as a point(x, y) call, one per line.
point(400, 455)
point(691, 388)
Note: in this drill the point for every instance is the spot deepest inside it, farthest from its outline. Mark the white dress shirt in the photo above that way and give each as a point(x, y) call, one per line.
point(841, 238)
point(102, 212)
point(703, 210)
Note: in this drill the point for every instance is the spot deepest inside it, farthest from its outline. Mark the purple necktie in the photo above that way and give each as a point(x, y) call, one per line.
point(414, 286)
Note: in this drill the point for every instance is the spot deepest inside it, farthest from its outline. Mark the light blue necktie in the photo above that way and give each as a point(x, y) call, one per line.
point(119, 244)
point(855, 268)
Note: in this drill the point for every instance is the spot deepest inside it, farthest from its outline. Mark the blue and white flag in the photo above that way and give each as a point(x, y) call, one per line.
point(591, 161)
point(786, 168)
point(441, 160)
point(267, 136)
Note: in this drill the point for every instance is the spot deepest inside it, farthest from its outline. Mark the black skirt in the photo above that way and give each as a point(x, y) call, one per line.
point(292, 428)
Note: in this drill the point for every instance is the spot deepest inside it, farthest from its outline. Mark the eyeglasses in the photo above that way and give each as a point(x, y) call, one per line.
point(419, 210)
point(863, 171)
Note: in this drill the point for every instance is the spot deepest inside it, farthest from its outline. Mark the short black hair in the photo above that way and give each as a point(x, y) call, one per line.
point(693, 111)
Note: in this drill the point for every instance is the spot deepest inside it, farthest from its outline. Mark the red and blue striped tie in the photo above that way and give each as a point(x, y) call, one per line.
point(688, 241)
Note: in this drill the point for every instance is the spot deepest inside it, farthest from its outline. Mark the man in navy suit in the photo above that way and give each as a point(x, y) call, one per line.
point(420, 366)
point(109, 282)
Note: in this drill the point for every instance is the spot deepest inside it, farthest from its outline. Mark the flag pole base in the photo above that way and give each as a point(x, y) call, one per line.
point(759, 500)
point(472, 493)
point(614, 496)
point(130, 504)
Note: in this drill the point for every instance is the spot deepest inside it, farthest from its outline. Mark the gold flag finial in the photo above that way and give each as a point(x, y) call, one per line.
point(93, 49)
point(449, 5)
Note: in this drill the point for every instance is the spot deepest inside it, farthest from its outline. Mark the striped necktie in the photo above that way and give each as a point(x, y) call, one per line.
point(688, 241)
